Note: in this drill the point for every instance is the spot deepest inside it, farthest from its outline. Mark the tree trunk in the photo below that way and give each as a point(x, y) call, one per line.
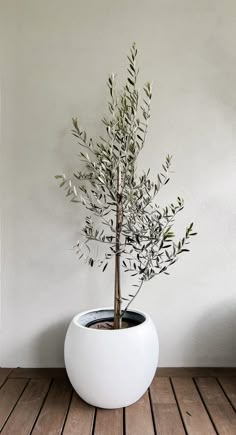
point(117, 301)
point(117, 295)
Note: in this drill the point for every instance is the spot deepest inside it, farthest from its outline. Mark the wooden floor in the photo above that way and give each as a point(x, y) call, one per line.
point(179, 401)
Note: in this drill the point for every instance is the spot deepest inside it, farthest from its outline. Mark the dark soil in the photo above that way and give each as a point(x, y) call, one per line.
point(108, 324)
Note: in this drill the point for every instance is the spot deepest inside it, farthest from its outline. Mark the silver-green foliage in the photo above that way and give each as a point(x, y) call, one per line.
point(147, 245)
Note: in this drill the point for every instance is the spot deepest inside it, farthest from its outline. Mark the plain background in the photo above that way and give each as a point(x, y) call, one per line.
point(55, 59)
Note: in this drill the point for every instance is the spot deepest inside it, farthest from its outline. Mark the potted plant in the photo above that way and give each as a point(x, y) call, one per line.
point(111, 354)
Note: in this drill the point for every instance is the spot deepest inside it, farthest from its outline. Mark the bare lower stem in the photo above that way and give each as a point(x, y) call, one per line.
point(117, 295)
point(117, 300)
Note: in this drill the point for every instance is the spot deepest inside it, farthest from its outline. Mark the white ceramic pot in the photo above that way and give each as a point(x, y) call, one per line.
point(111, 368)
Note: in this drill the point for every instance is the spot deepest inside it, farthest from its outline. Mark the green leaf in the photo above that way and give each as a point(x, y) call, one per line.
point(131, 81)
point(104, 268)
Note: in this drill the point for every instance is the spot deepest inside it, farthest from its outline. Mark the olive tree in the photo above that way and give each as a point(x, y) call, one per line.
point(122, 211)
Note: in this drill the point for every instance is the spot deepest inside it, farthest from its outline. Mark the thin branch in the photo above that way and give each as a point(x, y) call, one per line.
point(131, 300)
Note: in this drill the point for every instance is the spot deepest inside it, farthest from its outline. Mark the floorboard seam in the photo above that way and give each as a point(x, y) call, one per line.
point(67, 412)
point(6, 379)
point(27, 383)
point(228, 399)
point(205, 406)
point(177, 403)
point(152, 413)
point(124, 424)
point(94, 422)
point(41, 407)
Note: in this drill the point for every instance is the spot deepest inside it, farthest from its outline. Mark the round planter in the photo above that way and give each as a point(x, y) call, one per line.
point(111, 368)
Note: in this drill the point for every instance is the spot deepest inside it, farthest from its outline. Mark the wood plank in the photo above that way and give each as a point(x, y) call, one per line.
point(109, 422)
point(39, 373)
point(4, 373)
point(80, 417)
point(161, 372)
point(194, 372)
point(194, 414)
point(229, 387)
point(9, 395)
point(218, 406)
point(138, 418)
point(165, 410)
point(25, 413)
point(53, 413)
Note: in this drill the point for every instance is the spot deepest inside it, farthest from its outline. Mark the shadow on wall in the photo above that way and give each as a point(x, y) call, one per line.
point(213, 342)
point(49, 347)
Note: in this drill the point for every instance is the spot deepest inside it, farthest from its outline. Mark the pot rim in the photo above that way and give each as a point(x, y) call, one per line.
point(75, 321)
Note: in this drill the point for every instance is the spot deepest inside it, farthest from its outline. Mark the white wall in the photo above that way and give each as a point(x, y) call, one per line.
point(55, 57)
